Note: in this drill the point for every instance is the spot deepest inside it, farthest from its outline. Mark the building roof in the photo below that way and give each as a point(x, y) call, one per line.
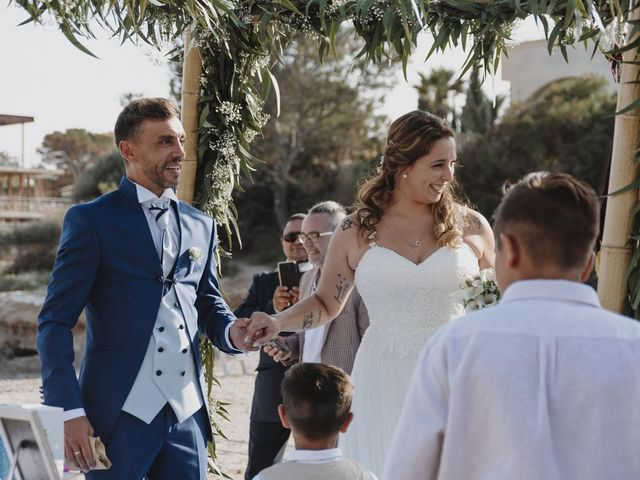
point(14, 119)
point(31, 172)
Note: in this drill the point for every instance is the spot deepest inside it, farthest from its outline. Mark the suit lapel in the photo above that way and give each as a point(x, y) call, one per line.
point(133, 216)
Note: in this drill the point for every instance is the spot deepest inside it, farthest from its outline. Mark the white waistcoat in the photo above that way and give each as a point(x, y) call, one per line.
point(168, 372)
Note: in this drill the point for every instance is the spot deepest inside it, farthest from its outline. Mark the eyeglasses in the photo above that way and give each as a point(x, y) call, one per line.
point(313, 236)
point(291, 237)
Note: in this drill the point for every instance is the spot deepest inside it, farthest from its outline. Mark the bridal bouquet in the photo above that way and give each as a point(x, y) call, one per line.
point(479, 291)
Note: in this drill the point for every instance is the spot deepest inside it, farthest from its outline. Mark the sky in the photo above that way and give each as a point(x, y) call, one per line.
point(44, 76)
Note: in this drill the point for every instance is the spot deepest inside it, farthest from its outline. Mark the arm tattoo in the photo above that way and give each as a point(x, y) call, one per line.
point(342, 287)
point(474, 224)
point(347, 223)
point(308, 320)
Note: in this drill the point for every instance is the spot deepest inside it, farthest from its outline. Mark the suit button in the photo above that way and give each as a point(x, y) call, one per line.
point(184, 350)
point(160, 279)
point(182, 373)
point(181, 327)
point(177, 305)
point(161, 329)
point(161, 349)
point(158, 372)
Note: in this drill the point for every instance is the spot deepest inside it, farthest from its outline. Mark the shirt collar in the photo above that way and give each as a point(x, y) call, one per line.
point(304, 266)
point(145, 194)
point(539, 289)
point(312, 456)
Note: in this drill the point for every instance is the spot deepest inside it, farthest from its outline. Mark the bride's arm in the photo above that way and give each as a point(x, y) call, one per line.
point(479, 236)
point(336, 283)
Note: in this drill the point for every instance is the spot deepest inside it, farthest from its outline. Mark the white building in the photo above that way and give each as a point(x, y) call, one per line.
point(529, 67)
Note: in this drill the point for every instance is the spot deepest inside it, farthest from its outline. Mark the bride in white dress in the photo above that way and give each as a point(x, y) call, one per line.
point(407, 247)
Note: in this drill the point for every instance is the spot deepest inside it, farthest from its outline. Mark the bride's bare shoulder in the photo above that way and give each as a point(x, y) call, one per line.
point(477, 233)
point(474, 223)
point(349, 235)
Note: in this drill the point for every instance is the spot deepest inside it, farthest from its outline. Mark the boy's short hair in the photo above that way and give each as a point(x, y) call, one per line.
point(317, 399)
point(555, 216)
point(129, 121)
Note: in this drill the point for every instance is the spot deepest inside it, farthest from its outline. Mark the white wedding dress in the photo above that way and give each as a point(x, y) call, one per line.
point(407, 303)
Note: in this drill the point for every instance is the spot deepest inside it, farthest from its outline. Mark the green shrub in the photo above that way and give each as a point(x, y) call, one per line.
point(30, 247)
point(23, 281)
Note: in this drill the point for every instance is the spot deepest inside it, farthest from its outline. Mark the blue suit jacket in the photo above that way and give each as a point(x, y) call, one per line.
point(107, 262)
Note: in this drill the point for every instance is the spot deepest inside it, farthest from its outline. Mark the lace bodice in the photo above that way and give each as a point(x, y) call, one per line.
point(408, 302)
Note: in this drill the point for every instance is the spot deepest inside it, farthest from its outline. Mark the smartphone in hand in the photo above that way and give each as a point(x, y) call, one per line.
point(288, 274)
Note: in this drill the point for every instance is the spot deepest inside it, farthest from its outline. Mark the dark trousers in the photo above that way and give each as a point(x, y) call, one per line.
point(266, 440)
point(161, 450)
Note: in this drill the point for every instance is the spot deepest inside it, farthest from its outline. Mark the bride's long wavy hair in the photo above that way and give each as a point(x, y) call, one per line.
point(410, 137)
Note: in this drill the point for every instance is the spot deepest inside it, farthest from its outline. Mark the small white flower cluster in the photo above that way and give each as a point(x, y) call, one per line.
point(231, 111)
point(479, 291)
point(375, 14)
point(226, 145)
point(335, 5)
point(222, 183)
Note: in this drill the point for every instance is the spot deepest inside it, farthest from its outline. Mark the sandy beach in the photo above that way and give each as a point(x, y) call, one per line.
point(237, 390)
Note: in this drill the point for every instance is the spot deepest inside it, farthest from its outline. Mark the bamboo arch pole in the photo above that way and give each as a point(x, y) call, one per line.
point(191, 72)
point(615, 254)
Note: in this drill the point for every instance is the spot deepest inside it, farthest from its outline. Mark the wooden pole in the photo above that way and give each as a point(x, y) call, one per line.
point(191, 73)
point(615, 254)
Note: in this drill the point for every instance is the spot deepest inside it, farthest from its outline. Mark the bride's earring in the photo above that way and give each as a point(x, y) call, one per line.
point(404, 175)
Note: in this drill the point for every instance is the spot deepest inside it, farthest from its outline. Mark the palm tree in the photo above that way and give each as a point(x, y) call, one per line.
point(435, 91)
point(479, 113)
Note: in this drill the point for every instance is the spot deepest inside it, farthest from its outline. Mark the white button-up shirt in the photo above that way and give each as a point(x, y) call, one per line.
point(544, 386)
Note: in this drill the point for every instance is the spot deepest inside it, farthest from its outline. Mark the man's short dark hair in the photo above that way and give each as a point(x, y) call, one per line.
point(295, 216)
point(317, 399)
point(554, 215)
point(129, 121)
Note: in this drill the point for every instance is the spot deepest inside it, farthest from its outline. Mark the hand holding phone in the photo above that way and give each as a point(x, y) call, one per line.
point(284, 297)
point(288, 274)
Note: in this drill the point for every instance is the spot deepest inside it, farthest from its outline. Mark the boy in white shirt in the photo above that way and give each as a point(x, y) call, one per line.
point(316, 407)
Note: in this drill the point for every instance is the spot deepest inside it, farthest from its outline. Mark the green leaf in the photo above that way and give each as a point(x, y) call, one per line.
point(632, 186)
point(632, 106)
point(66, 30)
point(276, 89)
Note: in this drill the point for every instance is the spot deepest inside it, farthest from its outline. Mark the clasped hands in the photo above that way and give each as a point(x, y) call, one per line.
point(261, 328)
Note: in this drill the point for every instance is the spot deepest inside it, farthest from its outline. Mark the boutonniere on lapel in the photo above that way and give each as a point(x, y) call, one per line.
point(195, 255)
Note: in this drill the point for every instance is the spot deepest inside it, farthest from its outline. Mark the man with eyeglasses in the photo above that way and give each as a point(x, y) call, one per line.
point(335, 343)
point(267, 436)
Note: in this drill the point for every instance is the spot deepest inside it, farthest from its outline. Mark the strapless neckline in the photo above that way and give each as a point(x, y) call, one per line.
point(424, 261)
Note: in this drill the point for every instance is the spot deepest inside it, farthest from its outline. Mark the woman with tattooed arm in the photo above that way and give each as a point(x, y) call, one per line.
point(407, 247)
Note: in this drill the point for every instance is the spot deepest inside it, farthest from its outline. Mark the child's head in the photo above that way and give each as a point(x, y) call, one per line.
point(316, 400)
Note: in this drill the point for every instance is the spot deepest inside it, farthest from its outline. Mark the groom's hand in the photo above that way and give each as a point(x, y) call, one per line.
point(76, 442)
point(262, 329)
point(238, 335)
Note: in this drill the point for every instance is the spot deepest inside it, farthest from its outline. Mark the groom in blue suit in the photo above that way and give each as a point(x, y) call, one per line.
point(144, 266)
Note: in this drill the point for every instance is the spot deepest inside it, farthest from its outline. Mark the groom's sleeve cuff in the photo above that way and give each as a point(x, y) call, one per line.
point(71, 414)
point(227, 338)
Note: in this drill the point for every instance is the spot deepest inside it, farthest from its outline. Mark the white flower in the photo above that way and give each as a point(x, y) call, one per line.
point(195, 254)
point(478, 291)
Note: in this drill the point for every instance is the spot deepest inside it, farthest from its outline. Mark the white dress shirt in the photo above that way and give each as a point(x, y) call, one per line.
point(315, 456)
point(546, 385)
point(314, 337)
